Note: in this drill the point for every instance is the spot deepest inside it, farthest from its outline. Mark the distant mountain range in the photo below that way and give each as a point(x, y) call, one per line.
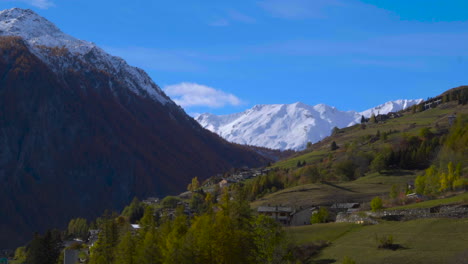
point(289, 126)
point(82, 131)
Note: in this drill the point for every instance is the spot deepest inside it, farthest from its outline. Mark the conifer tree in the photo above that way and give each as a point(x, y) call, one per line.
point(373, 119)
point(125, 250)
point(333, 146)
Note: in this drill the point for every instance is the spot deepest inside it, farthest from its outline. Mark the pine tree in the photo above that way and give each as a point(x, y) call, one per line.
point(125, 250)
point(363, 120)
point(373, 119)
point(333, 146)
point(148, 250)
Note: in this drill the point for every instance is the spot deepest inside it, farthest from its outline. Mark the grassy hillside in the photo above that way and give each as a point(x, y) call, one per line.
point(366, 160)
point(424, 241)
point(359, 139)
point(461, 198)
point(361, 190)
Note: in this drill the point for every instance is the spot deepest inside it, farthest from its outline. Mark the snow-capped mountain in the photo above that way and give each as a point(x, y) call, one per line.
point(46, 40)
point(391, 106)
point(289, 126)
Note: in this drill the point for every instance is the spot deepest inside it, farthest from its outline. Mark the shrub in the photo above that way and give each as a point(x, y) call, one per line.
point(170, 201)
point(376, 204)
point(320, 217)
point(348, 260)
point(385, 242)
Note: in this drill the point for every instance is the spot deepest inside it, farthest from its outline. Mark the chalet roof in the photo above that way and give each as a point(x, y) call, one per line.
point(344, 205)
point(274, 209)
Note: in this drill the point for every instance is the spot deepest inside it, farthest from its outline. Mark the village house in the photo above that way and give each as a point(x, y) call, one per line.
point(433, 102)
point(151, 200)
point(303, 216)
point(93, 236)
point(281, 214)
point(345, 207)
point(71, 256)
point(226, 182)
point(170, 213)
point(416, 197)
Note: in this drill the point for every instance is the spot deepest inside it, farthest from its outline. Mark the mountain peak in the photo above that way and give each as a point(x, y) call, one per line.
point(38, 31)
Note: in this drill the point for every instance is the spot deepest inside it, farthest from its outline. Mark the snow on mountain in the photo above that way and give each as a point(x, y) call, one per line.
point(288, 126)
point(42, 36)
point(392, 106)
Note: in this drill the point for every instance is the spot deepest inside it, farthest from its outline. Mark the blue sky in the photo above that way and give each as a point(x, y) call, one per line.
point(226, 56)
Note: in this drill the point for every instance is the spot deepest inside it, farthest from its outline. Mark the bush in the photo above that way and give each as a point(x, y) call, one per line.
point(385, 241)
point(320, 217)
point(170, 202)
point(376, 204)
point(348, 260)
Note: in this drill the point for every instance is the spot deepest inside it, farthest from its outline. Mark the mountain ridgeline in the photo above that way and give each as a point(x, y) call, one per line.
point(82, 131)
point(290, 126)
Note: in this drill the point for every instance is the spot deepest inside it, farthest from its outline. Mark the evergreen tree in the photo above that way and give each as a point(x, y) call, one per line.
point(134, 211)
point(333, 146)
point(45, 249)
point(194, 185)
point(103, 250)
point(363, 119)
point(125, 250)
point(268, 237)
point(148, 249)
point(379, 163)
point(373, 119)
point(78, 228)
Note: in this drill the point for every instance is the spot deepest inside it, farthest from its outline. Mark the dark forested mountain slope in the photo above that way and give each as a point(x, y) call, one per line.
point(79, 134)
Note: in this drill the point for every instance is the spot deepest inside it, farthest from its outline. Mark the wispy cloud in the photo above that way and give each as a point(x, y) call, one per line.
point(192, 94)
point(298, 9)
point(220, 23)
point(43, 4)
point(232, 16)
point(240, 17)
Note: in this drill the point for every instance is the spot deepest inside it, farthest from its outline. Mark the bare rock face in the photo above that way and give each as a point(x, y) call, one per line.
point(81, 131)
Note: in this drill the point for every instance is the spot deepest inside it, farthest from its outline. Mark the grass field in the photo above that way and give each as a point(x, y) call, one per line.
point(461, 198)
point(309, 158)
point(424, 241)
point(361, 190)
point(319, 232)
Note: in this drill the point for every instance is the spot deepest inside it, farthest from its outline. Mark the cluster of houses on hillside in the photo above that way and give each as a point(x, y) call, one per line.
point(242, 175)
point(379, 118)
point(289, 216)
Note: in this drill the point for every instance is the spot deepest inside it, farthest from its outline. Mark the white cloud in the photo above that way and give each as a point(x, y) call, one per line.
point(192, 94)
point(43, 4)
point(297, 9)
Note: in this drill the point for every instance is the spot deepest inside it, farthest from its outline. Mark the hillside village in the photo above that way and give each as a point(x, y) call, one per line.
point(281, 192)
